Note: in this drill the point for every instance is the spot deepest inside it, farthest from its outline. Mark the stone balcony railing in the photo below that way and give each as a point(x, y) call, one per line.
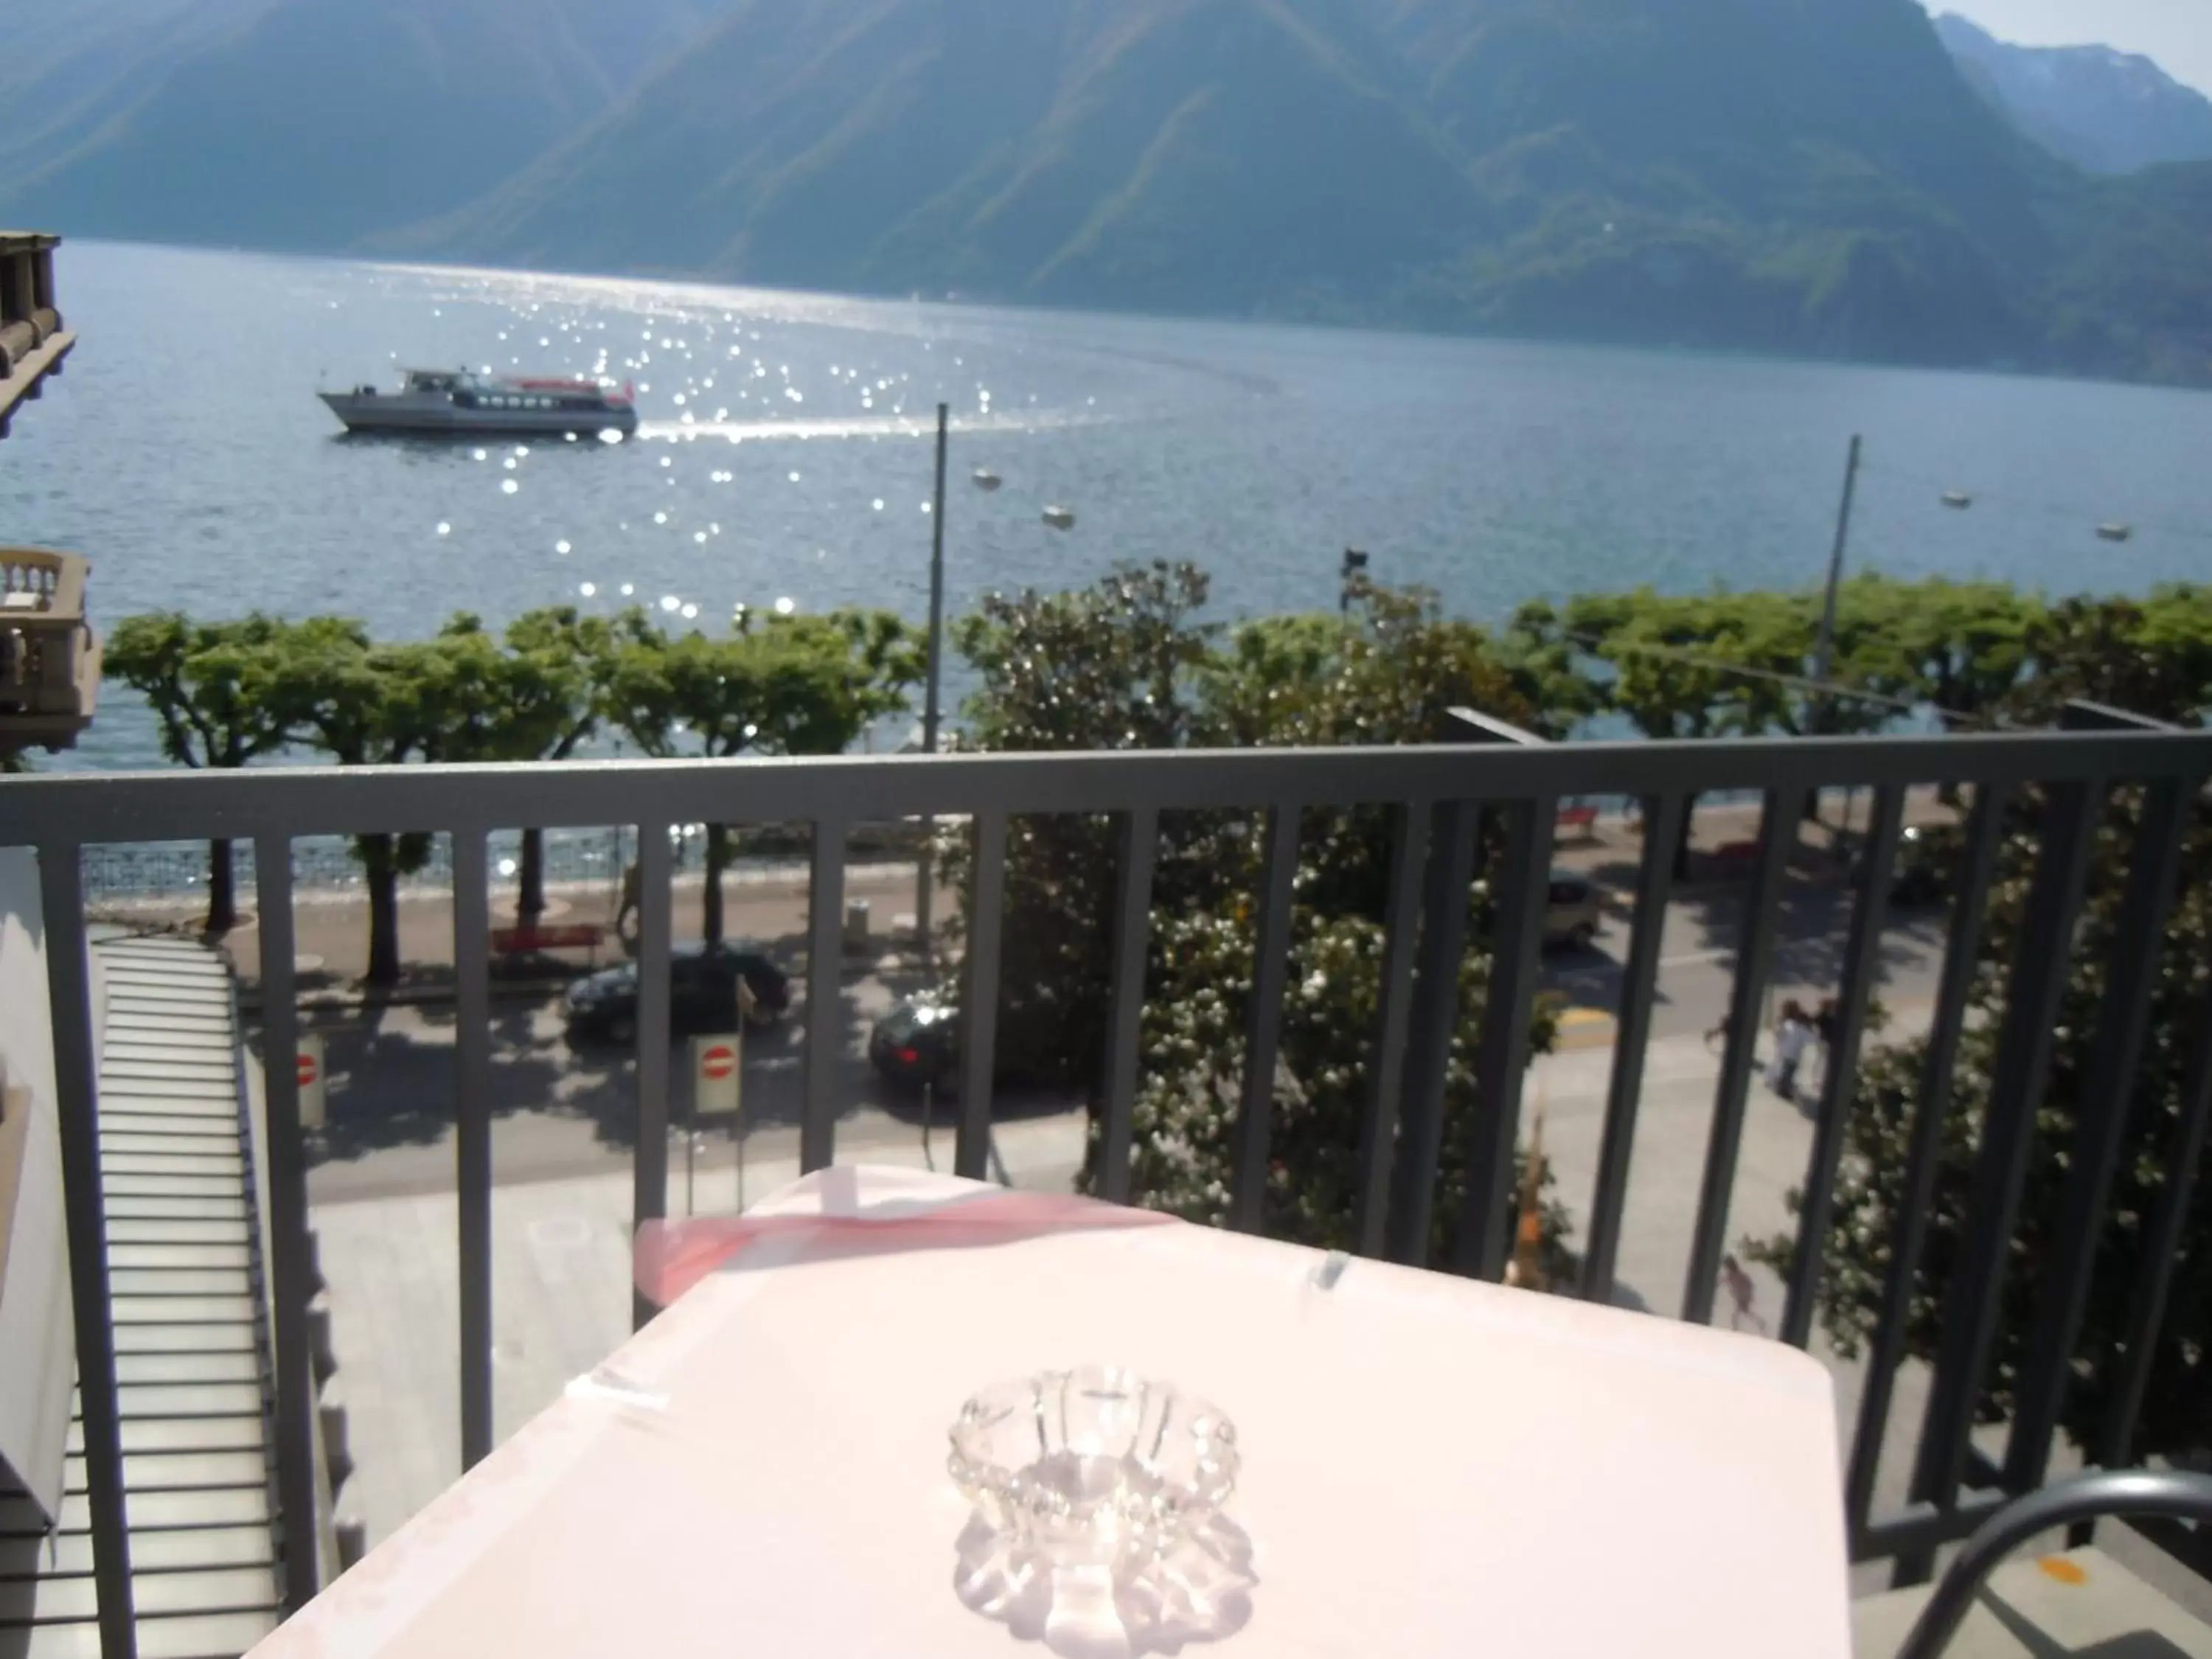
point(33, 341)
point(49, 657)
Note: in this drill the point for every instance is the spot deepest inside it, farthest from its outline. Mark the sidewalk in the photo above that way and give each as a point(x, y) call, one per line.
point(331, 929)
point(767, 904)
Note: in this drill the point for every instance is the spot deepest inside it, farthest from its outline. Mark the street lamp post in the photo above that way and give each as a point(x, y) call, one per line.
point(925, 878)
point(1824, 650)
point(1355, 563)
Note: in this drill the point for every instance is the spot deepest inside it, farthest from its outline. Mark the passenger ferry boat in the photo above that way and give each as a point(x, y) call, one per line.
point(439, 400)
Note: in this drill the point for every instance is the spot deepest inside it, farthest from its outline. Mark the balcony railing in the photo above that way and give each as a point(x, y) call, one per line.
point(33, 341)
point(49, 656)
point(1439, 796)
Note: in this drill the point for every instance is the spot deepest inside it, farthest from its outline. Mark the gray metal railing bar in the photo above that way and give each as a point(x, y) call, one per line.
point(979, 1033)
point(2031, 997)
point(77, 1092)
point(473, 1136)
point(86, 808)
point(1655, 888)
point(1133, 926)
point(649, 1171)
point(1923, 1155)
point(2086, 1496)
point(1386, 1072)
point(1921, 1527)
point(2161, 1250)
point(1862, 961)
point(2106, 1097)
point(1501, 1058)
point(1755, 965)
point(1271, 967)
point(826, 1000)
point(1422, 962)
point(287, 1219)
point(1434, 1015)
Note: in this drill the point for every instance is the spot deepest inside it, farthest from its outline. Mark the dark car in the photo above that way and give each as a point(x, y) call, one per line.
point(917, 1044)
point(702, 994)
point(1573, 912)
point(1928, 856)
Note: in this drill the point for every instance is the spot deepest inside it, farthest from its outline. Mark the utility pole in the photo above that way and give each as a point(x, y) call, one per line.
point(926, 887)
point(1824, 650)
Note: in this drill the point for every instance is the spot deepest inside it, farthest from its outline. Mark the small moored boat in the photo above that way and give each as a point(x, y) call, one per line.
point(432, 401)
point(1061, 518)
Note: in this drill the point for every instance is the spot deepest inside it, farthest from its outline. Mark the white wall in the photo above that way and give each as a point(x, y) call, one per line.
point(38, 1361)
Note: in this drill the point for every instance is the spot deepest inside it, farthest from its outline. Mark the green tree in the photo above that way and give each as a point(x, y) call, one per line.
point(216, 689)
point(555, 689)
point(1113, 665)
point(1959, 646)
point(1390, 672)
point(1665, 678)
point(1189, 1103)
point(782, 685)
point(1551, 671)
point(365, 704)
point(2152, 657)
point(1126, 664)
point(1870, 1190)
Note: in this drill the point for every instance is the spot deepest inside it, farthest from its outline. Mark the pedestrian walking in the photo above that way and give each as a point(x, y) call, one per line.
point(1741, 1291)
point(626, 912)
point(1825, 1020)
point(1793, 1035)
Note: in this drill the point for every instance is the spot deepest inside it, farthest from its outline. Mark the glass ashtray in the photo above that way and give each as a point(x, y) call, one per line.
point(1094, 1468)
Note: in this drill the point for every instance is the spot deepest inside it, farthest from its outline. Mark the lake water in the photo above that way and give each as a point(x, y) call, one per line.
point(784, 453)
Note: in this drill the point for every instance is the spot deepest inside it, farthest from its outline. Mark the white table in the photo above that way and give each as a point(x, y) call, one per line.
point(1430, 1466)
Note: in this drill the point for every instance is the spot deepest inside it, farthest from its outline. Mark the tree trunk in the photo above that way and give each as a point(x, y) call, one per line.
point(1682, 844)
point(530, 899)
point(718, 853)
point(222, 890)
point(380, 860)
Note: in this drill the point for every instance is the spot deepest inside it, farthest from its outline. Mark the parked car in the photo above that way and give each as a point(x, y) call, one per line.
point(702, 994)
point(1574, 912)
point(917, 1044)
point(1927, 868)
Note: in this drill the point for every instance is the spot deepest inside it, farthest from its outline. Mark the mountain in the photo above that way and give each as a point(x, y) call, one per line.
point(308, 124)
point(1807, 175)
point(1210, 154)
point(1802, 176)
point(1785, 174)
point(67, 68)
point(2104, 111)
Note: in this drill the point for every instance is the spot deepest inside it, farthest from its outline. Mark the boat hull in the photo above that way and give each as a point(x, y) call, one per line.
point(441, 417)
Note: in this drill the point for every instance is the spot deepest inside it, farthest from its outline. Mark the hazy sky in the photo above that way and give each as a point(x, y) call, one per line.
point(2176, 33)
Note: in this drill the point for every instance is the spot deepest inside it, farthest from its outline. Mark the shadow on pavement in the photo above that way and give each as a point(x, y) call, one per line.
point(391, 1066)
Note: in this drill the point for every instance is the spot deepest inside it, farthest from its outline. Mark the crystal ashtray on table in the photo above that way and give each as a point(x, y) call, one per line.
point(1099, 1495)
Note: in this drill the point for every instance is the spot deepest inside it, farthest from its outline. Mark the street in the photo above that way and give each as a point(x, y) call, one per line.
point(381, 1189)
point(560, 1111)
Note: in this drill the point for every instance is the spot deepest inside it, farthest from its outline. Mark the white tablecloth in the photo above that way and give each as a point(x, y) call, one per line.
point(1431, 1466)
